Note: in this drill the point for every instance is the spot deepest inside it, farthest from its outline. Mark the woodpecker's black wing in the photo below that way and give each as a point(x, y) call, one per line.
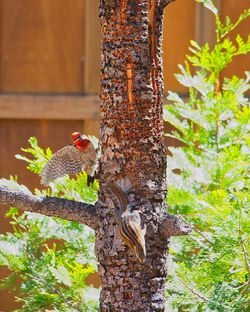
point(65, 161)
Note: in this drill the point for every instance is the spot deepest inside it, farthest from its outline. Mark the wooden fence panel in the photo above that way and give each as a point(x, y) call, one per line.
point(42, 46)
point(233, 9)
point(179, 28)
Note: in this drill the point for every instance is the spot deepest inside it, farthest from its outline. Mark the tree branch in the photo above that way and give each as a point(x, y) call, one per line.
point(191, 289)
point(247, 266)
point(22, 198)
point(172, 226)
point(194, 228)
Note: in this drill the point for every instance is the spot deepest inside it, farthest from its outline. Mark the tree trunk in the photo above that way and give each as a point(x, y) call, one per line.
point(133, 153)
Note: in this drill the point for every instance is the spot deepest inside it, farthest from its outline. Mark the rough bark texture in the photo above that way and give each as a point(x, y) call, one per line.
point(49, 206)
point(133, 155)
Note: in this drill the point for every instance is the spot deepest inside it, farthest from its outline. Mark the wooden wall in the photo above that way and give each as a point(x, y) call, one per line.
point(49, 73)
point(186, 20)
point(179, 28)
point(42, 46)
point(42, 83)
point(234, 8)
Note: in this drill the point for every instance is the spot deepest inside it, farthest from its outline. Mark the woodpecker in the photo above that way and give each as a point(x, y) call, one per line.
point(129, 223)
point(72, 159)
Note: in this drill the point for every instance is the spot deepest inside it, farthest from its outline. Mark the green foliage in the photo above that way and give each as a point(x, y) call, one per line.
point(50, 258)
point(208, 179)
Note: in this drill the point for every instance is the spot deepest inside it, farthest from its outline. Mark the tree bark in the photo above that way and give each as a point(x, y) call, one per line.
point(22, 198)
point(133, 155)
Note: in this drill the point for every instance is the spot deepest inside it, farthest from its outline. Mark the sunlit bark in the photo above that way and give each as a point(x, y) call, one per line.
point(133, 153)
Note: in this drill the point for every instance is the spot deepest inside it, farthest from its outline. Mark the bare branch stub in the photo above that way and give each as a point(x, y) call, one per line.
point(172, 226)
point(51, 206)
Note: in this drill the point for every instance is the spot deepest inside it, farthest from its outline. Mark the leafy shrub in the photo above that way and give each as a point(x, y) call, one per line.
point(50, 258)
point(208, 178)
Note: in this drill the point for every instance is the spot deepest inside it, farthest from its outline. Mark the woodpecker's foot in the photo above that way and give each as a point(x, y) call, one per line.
point(90, 180)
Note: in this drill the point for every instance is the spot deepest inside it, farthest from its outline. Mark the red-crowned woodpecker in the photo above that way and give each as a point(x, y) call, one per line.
point(72, 159)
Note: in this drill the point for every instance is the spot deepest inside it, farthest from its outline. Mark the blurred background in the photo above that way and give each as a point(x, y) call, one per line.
point(49, 74)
